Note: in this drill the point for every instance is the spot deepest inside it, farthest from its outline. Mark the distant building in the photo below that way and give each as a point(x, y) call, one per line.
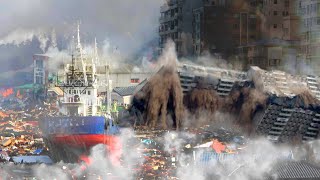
point(40, 75)
point(264, 33)
point(310, 32)
point(124, 95)
point(275, 13)
point(271, 54)
point(221, 26)
point(124, 76)
point(279, 44)
point(176, 24)
point(40, 70)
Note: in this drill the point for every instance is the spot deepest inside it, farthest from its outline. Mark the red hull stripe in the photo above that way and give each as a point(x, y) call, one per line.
point(87, 140)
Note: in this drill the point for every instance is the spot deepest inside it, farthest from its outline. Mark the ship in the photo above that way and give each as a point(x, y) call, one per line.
point(83, 122)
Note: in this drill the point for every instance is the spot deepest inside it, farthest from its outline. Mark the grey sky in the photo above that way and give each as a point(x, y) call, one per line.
point(128, 24)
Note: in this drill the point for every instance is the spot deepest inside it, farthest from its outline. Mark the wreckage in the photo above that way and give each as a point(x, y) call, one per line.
point(275, 104)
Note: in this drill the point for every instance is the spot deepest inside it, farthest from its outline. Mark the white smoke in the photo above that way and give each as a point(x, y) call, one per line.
point(129, 24)
point(169, 55)
point(17, 37)
point(22, 36)
point(57, 57)
point(100, 162)
point(111, 54)
point(53, 172)
point(255, 161)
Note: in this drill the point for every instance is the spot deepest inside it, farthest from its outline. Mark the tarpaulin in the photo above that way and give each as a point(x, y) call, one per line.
point(33, 159)
point(38, 151)
point(218, 146)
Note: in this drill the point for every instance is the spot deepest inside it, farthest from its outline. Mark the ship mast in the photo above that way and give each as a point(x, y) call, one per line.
point(79, 48)
point(109, 88)
point(74, 80)
point(96, 58)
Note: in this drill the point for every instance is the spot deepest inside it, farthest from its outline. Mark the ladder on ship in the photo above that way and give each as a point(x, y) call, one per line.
point(89, 111)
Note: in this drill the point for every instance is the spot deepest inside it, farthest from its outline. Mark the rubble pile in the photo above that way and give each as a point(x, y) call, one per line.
point(157, 163)
point(162, 159)
point(19, 125)
point(22, 145)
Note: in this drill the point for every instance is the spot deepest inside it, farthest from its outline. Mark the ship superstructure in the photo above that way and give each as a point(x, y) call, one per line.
point(80, 85)
point(84, 122)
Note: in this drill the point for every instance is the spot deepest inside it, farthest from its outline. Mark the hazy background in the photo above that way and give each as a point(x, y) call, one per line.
point(31, 26)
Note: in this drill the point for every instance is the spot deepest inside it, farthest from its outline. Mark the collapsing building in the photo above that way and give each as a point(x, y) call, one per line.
point(218, 79)
point(272, 103)
point(292, 107)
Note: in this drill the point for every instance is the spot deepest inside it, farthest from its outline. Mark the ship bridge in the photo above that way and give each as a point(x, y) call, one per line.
point(79, 84)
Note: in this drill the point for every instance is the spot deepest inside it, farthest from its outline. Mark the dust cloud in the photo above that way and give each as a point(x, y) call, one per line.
point(162, 94)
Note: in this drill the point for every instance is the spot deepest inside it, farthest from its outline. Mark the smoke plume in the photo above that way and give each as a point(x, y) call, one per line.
point(100, 163)
point(242, 101)
point(27, 28)
point(163, 94)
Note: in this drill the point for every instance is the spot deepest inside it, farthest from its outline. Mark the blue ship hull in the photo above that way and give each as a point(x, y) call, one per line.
point(75, 135)
point(74, 125)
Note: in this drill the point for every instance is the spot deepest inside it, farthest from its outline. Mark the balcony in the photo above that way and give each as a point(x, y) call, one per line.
point(274, 132)
point(168, 31)
point(277, 128)
point(168, 18)
point(169, 6)
point(311, 133)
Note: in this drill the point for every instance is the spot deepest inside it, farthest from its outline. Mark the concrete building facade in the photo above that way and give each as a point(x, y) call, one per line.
point(221, 26)
point(40, 70)
point(309, 12)
point(278, 46)
point(274, 14)
point(176, 24)
point(124, 76)
point(266, 33)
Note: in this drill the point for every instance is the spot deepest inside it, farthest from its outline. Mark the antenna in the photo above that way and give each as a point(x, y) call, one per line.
point(109, 88)
point(96, 51)
point(72, 70)
point(95, 44)
point(78, 36)
point(72, 45)
point(57, 78)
